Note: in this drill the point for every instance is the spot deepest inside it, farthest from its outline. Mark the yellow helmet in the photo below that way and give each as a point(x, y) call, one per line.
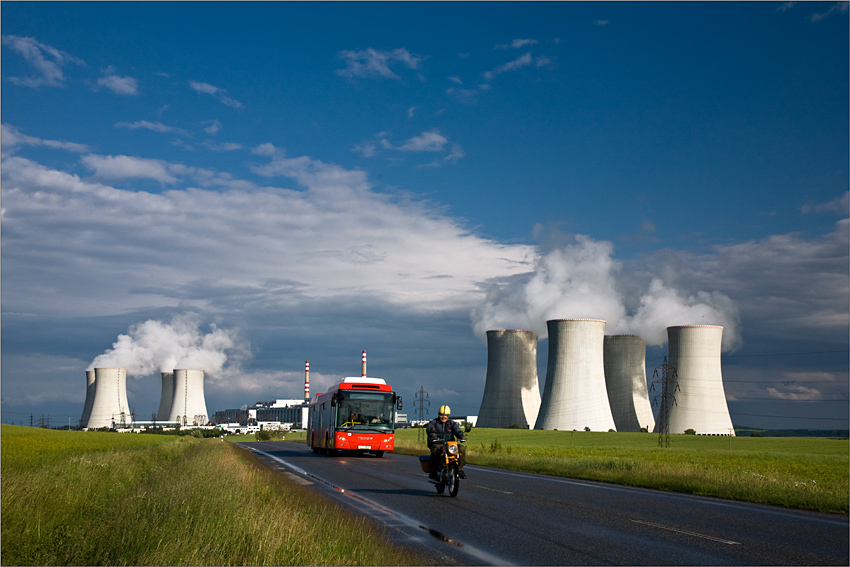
point(445, 410)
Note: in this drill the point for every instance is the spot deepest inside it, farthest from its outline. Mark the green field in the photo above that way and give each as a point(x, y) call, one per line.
point(90, 498)
point(798, 472)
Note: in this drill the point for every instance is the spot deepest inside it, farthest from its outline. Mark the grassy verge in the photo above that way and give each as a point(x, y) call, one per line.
point(86, 498)
point(806, 473)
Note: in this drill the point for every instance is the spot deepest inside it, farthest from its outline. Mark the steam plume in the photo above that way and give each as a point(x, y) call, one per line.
point(581, 281)
point(155, 346)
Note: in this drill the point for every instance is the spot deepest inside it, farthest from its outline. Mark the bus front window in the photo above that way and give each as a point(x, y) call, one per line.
point(365, 410)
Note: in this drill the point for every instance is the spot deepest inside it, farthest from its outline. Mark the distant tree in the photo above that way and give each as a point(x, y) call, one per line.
point(690, 432)
point(586, 428)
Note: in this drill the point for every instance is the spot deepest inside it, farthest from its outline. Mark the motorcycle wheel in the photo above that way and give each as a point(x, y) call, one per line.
point(441, 483)
point(453, 481)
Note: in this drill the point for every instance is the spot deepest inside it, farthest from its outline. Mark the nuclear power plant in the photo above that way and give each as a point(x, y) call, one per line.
point(625, 380)
point(109, 404)
point(188, 406)
point(694, 352)
point(511, 390)
point(182, 400)
point(598, 382)
point(575, 395)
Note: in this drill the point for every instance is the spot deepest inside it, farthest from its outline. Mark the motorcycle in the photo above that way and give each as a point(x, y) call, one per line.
point(447, 475)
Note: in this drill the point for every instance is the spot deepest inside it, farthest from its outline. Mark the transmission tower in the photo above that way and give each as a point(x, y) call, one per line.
point(669, 386)
point(421, 400)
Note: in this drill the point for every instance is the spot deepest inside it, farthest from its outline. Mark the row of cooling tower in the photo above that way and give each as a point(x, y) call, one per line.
point(182, 399)
point(599, 381)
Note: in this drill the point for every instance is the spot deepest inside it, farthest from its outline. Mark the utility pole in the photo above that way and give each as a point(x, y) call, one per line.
point(669, 386)
point(421, 399)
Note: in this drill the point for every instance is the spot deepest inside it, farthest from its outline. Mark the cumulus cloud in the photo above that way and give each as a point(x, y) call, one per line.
point(839, 205)
point(46, 61)
point(152, 126)
point(158, 346)
point(837, 8)
point(118, 84)
point(425, 142)
point(524, 60)
point(273, 247)
point(375, 63)
point(12, 138)
point(127, 167)
point(219, 93)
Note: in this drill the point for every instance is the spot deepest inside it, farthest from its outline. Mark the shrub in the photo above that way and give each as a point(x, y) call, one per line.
point(690, 432)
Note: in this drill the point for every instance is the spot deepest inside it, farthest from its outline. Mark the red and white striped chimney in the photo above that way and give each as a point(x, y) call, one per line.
point(363, 365)
point(307, 380)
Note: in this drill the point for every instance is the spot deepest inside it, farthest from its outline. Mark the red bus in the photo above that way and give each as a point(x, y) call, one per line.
point(355, 415)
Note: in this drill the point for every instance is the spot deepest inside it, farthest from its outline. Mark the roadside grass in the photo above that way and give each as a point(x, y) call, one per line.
point(91, 498)
point(807, 473)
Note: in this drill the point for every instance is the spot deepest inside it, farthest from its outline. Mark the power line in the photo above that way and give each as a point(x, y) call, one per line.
point(791, 416)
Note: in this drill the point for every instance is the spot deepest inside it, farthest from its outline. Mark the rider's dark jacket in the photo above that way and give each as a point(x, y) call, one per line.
point(436, 429)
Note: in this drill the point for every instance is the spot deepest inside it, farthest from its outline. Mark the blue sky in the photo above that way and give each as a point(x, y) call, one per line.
point(266, 183)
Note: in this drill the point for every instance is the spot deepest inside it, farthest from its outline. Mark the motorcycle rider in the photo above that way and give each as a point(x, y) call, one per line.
point(436, 429)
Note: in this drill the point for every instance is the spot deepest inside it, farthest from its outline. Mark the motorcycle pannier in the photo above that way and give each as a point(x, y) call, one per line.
point(425, 463)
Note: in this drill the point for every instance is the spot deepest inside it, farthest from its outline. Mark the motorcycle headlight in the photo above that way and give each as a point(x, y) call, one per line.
point(452, 449)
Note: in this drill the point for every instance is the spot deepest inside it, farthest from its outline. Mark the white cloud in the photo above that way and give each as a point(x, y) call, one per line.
point(601, 22)
point(220, 94)
point(425, 142)
point(213, 127)
point(82, 247)
point(153, 126)
point(839, 205)
point(127, 167)
point(118, 84)
point(837, 8)
point(374, 63)
point(12, 137)
point(785, 6)
point(524, 60)
point(518, 44)
point(46, 61)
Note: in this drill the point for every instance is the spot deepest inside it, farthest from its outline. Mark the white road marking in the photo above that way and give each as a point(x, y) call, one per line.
point(703, 536)
point(491, 489)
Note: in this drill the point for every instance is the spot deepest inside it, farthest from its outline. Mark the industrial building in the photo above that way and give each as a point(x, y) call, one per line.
point(625, 379)
point(575, 395)
point(511, 390)
point(700, 400)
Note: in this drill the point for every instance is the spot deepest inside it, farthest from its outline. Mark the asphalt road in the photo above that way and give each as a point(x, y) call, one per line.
point(503, 517)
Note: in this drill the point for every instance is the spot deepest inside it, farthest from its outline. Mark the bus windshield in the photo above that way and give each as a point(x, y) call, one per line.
point(365, 410)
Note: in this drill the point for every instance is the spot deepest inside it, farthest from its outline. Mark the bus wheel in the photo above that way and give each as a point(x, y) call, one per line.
point(379, 453)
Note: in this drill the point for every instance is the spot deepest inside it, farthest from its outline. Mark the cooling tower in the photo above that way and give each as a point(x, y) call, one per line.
point(166, 397)
point(625, 380)
point(188, 406)
point(110, 398)
point(90, 387)
point(694, 351)
point(575, 396)
point(511, 391)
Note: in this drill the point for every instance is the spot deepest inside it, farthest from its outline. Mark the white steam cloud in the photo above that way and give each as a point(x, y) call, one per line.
point(581, 281)
point(155, 346)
